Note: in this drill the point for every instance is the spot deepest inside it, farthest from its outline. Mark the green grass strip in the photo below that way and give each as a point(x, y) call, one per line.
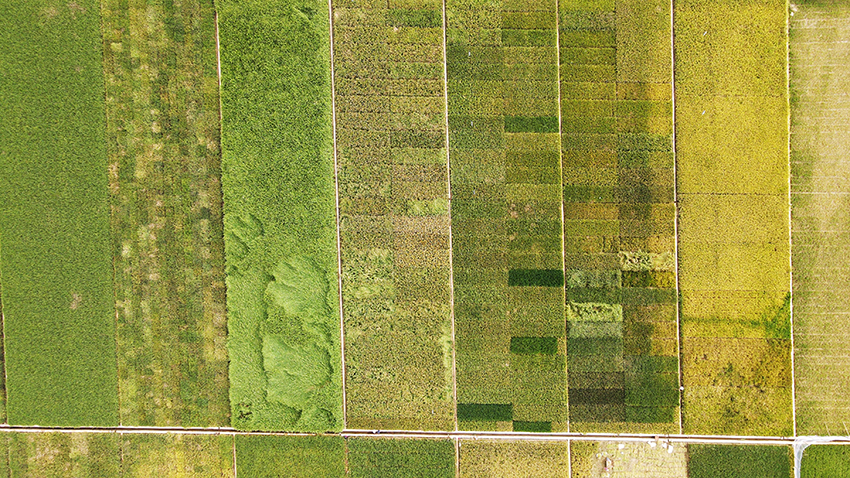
point(279, 214)
point(536, 277)
point(534, 427)
point(534, 345)
point(484, 411)
point(54, 217)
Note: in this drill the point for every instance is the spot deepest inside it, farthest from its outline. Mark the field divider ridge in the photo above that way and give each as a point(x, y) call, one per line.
point(676, 212)
point(790, 218)
point(561, 202)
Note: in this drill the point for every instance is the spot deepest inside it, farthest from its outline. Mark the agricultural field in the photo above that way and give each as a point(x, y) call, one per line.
point(162, 136)
point(819, 185)
point(394, 214)
point(750, 461)
point(619, 215)
point(651, 459)
point(825, 461)
point(279, 216)
point(513, 459)
point(400, 458)
point(295, 457)
point(732, 166)
point(506, 215)
point(58, 307)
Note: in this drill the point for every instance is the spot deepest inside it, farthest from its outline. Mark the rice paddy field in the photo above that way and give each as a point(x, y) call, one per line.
point(455, 238)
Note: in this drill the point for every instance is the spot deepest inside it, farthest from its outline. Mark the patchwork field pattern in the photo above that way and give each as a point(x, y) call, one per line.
point(608, 459)
point(506, 215)
point(732, 160)
point(54, 217)
point(820, 114)
point(279, 216)
point(60, 455)
point(619, 238)
point(709, 461)
point(513, 459)
point(167, 240)
point(400, 458)
point(394, 214)
point(176, 455)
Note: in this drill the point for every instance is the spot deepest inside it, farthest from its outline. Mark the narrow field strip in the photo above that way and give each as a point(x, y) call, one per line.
point(54, 216)
point(163, 142)
point(279, 216)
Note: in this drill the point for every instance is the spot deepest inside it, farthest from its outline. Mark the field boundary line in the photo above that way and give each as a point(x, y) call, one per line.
point(561, 206)
point(449, 193)
point(790, 214)
point(336, 198)
point(457, 457)
point(679, 338)
point(233, 442)
point(218, 66)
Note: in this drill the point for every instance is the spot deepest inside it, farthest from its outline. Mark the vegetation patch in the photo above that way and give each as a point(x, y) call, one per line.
point(59, 455)
point(398, 458)
point(513, 459)
point(743, 461)
point(58, 307)
point(279, 217)
point(176, 455)
point(823, 461)
point(291, 456)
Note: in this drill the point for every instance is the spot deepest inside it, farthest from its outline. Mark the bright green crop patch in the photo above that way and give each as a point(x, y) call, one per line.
point(825, 461)
point(401, 458)
point(54, 217)
point(279, 216)
point(706, 461)
point(296, 457)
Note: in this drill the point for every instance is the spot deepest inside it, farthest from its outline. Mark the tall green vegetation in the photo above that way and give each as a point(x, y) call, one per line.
point(54, 217)
point(162, 127)
point(279, 216)
point(732, 150)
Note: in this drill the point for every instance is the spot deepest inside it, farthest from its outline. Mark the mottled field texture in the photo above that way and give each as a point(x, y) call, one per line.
point(506, 214)
point(734, 268)
point(290, 456)
point(58, 304)
point(400, 458)
point(619, 238)
point(820, 194)
point(394, 213)
point(513, 459)
point(609, 459)
point(167, 242)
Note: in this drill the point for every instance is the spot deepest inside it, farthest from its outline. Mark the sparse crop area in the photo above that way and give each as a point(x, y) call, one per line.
point(619, 215)
point(394, 214)
point(58, 308)
point(162, 127)
point(653, 458)
point(732, 163)
point(279, 216)
point(513, 459)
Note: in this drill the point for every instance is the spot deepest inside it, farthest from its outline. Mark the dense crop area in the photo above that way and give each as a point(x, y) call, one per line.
point(731, 117)
point(506, 215)
point(610, 459)
point(279, 216)
point(619, 237)
point(710, 461)
point(394, 214)
point(820, 203)
point(168, 248)
point(290, 456)
point(825, 461)
point(54, 217)
point(400, 458)
point(513, 459)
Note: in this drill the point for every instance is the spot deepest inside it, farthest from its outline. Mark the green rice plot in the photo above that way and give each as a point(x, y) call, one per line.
point(733, 243)
point(146, 455)
point(618, 215)
point(819, 217)
point(506, 225)
point(741, 461)
point(54, 216)
point(394, 215)
point(296, 457)
point(513, 459)
point(163, 143)
point(823, 461)
point(400, 458)
point(61, 455)
point(279, 217)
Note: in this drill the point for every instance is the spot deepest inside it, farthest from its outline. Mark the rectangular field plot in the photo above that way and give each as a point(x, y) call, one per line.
point(290, 456)
point(506, 215)
point(279, 216)
point(609, 459)
point(825, 461)
point(732, 162)
point(394, 214)
point(144, 455)
point(167, 239)
point(820, 112)
point(513, 459)
point(400, 458)
point(744, 461)
point(619, 238)
point(58, 304)
point(62, 455)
